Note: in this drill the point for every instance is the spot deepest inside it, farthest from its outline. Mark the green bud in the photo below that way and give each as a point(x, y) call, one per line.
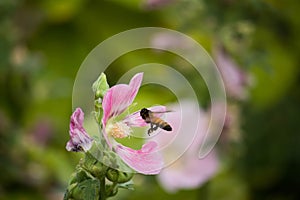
point(98, 103)
point(89, 161)
point(117, 176)
point(88, 189)
point(79, 176)
point(93, 166)
point(99, 170)
point(111, 190)
point(100, 86)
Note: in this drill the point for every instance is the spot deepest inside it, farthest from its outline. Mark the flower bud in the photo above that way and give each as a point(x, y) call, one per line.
point(98, 170)
point(79, 176)
point(100, 86)
point(88, 189)
point(111, 190)
point(117, 176)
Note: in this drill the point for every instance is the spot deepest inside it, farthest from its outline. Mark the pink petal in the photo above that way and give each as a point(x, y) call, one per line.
point(119, 97)
point(145, 161)
point(136, 120)
point(80, 140)
point(77, 118)
point(106, 137)
point(188, 172)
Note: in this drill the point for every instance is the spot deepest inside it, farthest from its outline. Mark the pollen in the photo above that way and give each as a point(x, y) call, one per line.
point(119, 130)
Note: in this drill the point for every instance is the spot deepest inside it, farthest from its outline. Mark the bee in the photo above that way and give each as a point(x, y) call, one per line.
point(155, 122)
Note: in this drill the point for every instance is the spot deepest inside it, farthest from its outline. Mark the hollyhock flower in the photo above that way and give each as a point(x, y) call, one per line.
point(115, 101)
point(80, 140)
point(188, 171)
point(42, 132)
point(168, 41)
point(156, 4)
point(234, 78)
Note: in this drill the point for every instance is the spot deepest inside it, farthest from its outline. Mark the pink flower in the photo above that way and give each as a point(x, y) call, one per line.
point(188, 171)
point(168, 41)
point(80, 140)
point(116, 100)
point(234, 78)
point(156, 4)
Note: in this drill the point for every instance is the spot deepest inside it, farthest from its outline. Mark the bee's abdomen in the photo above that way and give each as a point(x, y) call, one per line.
point(167, 127)
point(162, 124)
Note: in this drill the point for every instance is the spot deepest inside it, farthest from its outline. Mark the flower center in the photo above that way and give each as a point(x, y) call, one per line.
point(119, 130)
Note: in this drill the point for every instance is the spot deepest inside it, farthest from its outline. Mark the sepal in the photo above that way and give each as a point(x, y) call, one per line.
point(116, 176)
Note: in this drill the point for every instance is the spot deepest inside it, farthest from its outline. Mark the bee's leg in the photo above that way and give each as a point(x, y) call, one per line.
point(150, 130)
point(155, 128)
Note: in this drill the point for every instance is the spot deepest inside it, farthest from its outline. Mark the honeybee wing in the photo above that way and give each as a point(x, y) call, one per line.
point(158, 113)
point(162, 112)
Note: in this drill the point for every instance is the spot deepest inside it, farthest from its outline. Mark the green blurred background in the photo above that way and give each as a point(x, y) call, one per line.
point(43, 43)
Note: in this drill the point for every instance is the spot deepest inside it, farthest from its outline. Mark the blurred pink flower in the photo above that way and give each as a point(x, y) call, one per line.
point(80, 140)
point(235, 80)
point(169, 41)
point(117, 99)
point(42, 131)
point(188, 171)
point(156, 4)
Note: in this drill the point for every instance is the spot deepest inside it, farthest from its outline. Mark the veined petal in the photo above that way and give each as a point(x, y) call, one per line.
point(136, 120)
point(146, 160)
point(80, 140)
point(119, 97)
point(77, 118)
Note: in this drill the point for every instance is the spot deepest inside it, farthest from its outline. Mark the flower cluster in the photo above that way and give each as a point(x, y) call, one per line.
point(106, 158)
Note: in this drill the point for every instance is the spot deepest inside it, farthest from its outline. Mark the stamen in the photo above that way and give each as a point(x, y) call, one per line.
point(119, 130)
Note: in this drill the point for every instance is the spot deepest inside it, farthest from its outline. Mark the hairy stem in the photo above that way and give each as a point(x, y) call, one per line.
point(102, 189)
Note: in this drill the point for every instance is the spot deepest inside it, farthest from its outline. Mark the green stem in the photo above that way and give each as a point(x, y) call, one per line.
point(102, 189)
